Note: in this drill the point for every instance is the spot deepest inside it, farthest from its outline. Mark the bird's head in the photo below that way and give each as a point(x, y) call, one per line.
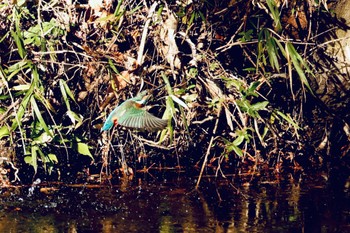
point(141, 98)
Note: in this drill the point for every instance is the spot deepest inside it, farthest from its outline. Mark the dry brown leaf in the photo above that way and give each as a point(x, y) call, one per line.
point(82, 95)
point(130, 63)
point(121, 80)
point(172, 58)
point(169, 48)
point(90, 71)
point(292, 20)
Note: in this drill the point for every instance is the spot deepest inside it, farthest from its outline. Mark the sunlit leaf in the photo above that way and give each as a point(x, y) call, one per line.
point(34, 157)
point(22, 87)
point(28, 160)
point(237, 150)
point(190, 97)
point(238, 141)
point(179, 101)
point(259, 106)
point(83, 149)
point(53, 158)
point(75, 118)
point(4, 131)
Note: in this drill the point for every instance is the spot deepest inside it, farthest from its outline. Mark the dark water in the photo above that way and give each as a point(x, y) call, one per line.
point(172, 205)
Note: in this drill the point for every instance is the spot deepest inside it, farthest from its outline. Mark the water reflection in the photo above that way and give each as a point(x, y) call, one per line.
point(285, 206)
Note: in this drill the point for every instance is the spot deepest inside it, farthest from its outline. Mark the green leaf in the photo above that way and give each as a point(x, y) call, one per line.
point(83, 149)
point(4, 131)
point(22, 108)
point(17, 67)
point(288, 119)
point(275, 14)
point(113, 67)
point(237, 150)
point(69, 92)
point(272, 51)
point(252, 88)
point(64, 94)
point(238, 141)
point(259, 106)
point(19, 43)
point(53, 158)
point(39, 116)
point(299, 64)
point(232, 147)
point(28, 160)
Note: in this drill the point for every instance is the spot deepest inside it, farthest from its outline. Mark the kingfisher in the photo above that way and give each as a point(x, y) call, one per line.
point(131, 114)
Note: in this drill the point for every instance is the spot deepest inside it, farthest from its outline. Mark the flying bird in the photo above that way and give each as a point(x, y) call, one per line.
point(131, 114)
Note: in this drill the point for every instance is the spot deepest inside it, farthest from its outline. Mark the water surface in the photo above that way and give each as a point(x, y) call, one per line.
point(171, 204)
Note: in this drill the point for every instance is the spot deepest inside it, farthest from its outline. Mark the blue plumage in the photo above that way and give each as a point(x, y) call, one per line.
point(131, 115)
point(109, 121)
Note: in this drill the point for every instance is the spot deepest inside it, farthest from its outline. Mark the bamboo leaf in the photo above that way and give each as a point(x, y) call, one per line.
point(39, 116)
point(275, 14)
point(297, 61)
point(68, 91)
point(19, 43)
point(179, 101)
point(21, 87)
point(237, 150)
point(22, 108)
point(17, 67)
point(34, 157)
point(75, 118)
point(64, 94)
point(288, 119)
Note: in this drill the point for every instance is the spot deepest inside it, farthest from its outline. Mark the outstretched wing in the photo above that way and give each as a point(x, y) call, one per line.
point(142, 120)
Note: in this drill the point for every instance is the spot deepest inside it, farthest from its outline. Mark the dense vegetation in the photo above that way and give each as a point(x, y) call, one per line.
point(236, 79)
